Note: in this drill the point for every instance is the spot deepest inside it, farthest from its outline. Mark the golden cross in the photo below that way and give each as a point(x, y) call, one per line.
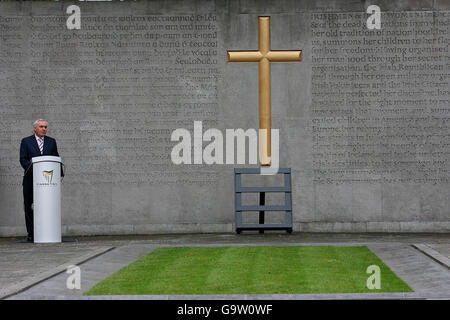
point(264, 56)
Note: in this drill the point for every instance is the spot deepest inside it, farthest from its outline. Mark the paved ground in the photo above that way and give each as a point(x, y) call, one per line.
point(38, 271)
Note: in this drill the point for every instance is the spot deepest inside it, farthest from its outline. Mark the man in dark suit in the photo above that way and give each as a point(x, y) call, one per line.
point(35, 145)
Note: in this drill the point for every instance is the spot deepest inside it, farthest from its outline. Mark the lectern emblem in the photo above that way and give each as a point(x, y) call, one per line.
point(48, 175)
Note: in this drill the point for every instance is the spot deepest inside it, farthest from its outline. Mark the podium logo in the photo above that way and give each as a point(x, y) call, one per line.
point(48, 176)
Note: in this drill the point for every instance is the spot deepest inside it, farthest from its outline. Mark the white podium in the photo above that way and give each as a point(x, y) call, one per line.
point(47, 199)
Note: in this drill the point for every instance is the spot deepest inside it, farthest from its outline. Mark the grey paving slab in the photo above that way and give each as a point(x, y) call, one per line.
point(341, 296)
point(91, 273)
point(26, 268)
point(430, 250)
point(420, 272)
point(442, 248)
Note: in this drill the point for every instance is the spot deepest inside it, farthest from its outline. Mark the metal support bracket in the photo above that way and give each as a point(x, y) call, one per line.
point(239, 208)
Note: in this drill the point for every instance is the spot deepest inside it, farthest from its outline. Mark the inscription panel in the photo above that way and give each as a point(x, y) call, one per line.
point(380, 107)
point(112, 92)
point(125, 83)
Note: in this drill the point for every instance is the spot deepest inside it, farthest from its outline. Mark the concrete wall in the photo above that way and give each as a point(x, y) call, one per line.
point(363, 119)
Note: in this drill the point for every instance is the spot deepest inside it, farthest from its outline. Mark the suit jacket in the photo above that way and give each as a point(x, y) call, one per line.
point(29, 149)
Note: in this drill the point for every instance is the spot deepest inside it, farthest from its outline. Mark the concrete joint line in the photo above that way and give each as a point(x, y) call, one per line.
point(26, 284)
point(433, 254)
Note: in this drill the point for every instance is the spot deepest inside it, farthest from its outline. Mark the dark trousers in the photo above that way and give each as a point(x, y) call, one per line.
point(27, 202)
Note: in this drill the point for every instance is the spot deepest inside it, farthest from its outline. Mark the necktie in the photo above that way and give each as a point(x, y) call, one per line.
point(41, 144)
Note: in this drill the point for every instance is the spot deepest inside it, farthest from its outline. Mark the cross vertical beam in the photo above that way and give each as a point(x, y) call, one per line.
point(264, 56)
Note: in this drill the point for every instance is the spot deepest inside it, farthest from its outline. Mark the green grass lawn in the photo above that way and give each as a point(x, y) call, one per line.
point(250, 270)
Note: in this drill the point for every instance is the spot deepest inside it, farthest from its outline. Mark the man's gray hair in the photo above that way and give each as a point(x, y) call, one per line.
point(36, 122)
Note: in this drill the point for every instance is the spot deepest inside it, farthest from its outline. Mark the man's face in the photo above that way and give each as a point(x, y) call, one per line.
point(41, 129)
